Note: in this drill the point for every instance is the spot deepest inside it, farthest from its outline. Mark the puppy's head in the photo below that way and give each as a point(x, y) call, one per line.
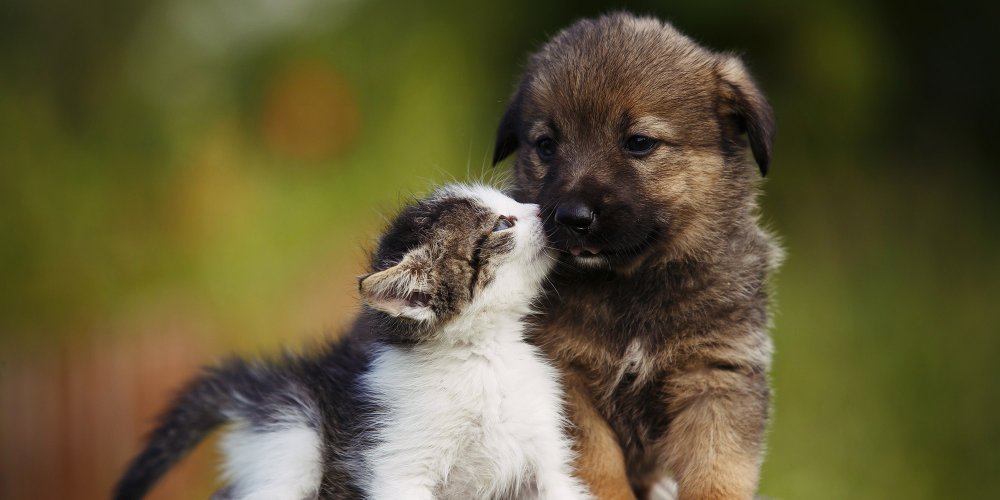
point(633, 139)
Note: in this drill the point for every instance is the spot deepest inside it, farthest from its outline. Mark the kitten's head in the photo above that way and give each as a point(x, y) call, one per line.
point(462, 250)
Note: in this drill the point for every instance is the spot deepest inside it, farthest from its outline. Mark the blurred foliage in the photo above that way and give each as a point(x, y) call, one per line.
point(224, 163)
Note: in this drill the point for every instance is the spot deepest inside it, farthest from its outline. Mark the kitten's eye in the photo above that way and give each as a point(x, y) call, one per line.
point(504, 223)
point(546, 148)
point(640, 145)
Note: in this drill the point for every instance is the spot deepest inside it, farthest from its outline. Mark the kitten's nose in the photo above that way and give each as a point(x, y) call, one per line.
point(575, 216)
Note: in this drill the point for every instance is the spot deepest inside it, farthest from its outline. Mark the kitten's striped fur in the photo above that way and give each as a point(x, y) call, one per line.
point(433, 394)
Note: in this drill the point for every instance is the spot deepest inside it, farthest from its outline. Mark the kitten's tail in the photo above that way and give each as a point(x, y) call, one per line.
point(212, 399)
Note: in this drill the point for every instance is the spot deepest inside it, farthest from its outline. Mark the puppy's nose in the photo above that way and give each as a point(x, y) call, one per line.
point(575, 216)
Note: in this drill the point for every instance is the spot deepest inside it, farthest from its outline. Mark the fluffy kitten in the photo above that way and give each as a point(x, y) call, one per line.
point(433, 394)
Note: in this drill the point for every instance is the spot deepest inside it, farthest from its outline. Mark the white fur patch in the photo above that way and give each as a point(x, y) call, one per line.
point(664, 489)
point(481, 420)
point(280, 464)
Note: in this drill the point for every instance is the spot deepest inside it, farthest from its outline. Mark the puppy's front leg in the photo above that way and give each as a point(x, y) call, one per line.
point(600, 462)
point(714, 443)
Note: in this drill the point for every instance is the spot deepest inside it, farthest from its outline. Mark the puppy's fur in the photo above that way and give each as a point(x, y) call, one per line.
point(658, 314)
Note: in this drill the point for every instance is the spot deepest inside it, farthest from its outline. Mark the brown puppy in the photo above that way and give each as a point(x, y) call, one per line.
point(631, 137)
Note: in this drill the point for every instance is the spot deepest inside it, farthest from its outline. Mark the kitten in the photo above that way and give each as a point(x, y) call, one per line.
point(433, 394)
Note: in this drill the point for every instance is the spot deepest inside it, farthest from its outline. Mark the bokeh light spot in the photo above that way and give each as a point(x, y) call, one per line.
point(309, 113)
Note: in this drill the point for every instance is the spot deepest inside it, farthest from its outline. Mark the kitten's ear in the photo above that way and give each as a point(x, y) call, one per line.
point(401, 290)
point(742, 98)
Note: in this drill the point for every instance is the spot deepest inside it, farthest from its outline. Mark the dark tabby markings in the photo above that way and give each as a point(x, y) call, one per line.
point(476, 263)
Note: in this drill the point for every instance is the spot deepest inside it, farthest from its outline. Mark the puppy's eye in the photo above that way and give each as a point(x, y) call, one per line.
point(546, 148)
point(640, 145)
point(504, 223)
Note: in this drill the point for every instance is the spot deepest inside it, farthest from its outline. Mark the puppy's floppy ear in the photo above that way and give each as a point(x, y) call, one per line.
point(507, 132)
point(402, 290)
point(741, 97)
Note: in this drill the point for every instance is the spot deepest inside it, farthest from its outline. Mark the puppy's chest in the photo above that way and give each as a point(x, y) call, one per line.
point(614, 321)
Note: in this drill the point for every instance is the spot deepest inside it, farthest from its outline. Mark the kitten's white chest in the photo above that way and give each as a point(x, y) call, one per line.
point(482, 416)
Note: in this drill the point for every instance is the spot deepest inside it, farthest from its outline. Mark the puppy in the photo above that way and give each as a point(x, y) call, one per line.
point(634, 140)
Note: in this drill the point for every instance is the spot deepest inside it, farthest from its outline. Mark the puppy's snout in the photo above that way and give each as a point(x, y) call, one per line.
point(577, 217)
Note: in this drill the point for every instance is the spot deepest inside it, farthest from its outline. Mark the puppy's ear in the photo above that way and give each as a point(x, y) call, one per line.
point(402, 290)
point(507, 132)
point(741, 97)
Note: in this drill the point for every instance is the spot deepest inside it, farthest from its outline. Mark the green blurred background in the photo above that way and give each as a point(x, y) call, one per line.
point(184, 178)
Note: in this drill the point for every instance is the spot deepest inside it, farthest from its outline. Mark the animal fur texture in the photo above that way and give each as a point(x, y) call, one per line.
point(635, 141)
point(434, 393)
